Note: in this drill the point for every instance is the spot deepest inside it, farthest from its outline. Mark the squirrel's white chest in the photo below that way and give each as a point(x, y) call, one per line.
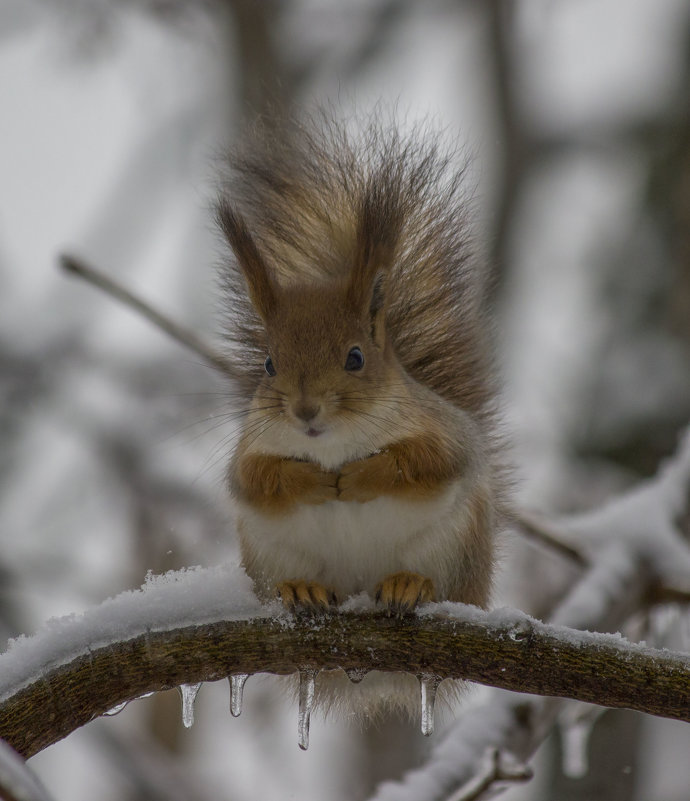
point(351, 546)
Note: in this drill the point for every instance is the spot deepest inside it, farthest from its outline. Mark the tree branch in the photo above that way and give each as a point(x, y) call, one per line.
point(179, 333)
point(538, 528)
point(495, 770)
point(17, 782)
point(504, 648)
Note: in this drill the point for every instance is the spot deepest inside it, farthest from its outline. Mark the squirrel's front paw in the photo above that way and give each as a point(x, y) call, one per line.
point(325, 487)
point(366, 479)
point(306, 482)
point(276, 484)
point(402, 592)
point(306, 596)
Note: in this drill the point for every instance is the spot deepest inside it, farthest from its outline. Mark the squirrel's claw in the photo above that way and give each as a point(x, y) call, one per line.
point(325, 490)
point(402, 592)
point(306, 596)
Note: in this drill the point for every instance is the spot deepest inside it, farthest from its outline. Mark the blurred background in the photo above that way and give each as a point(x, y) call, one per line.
point(113, 440)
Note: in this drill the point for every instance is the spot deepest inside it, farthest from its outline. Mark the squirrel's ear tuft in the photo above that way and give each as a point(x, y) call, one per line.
point(375, 248)
point(261, 288)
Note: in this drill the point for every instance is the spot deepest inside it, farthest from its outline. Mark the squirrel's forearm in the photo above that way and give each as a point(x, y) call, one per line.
point(427, 462)
point(413, 468)
point(275, 484)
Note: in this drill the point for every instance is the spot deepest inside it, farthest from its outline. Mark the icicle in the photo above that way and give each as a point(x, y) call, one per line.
point(306, 701)
point(189, 693)
point(115, 710)
point(356, 674)
point(237, 681)
point(429, 684)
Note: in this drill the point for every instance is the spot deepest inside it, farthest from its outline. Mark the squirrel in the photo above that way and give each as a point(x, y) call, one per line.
point(367, 458)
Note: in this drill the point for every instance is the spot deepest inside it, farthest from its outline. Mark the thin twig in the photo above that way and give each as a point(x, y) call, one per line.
point(670, 594)
point(17, 781)
point(538, 529)
point(183, 335)
point(495, 770)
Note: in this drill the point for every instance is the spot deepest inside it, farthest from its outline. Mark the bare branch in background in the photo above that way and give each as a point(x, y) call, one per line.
point(514, 145)
point(17, 782)
point(184, 336)
point(539, 529)
point(498, 768)
point(154, 773)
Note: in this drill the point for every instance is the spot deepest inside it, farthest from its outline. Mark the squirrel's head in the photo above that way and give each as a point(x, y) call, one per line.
point(329, 361)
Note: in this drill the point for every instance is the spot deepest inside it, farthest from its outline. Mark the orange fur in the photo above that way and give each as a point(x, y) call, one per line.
point(414, 468)
point(276, 484)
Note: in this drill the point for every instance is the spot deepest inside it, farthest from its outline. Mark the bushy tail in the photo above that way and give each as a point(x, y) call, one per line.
point(303, 192)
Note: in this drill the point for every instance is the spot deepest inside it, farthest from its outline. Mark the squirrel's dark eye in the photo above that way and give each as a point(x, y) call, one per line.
point(268, 366)
point(355, 360)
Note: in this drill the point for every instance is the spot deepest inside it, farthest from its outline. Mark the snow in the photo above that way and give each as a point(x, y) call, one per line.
point(458, 756)
point(517, 625)
point(639, 524)
point(188, 597)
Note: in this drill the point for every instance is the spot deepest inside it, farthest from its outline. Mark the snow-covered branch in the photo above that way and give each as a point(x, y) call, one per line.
point(165, 635)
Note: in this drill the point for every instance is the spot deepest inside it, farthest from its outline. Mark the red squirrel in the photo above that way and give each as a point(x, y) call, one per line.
point(367, 458)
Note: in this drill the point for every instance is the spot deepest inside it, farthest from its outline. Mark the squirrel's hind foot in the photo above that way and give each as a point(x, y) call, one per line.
point(306, 596)
point(402, 592)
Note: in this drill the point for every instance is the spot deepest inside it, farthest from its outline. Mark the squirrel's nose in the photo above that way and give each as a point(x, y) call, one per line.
point(305, 410)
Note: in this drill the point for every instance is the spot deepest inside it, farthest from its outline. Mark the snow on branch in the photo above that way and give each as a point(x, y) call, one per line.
point(201, 625)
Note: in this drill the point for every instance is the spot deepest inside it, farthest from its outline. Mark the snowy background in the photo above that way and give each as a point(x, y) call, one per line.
point(113, 440)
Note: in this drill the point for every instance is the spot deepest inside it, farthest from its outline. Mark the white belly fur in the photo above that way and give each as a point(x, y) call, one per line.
point(351, 546)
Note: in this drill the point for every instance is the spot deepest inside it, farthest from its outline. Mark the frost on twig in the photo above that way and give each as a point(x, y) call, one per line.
point(634, 547)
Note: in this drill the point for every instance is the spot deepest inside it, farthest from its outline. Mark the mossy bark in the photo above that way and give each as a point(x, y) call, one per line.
point(522, 655)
